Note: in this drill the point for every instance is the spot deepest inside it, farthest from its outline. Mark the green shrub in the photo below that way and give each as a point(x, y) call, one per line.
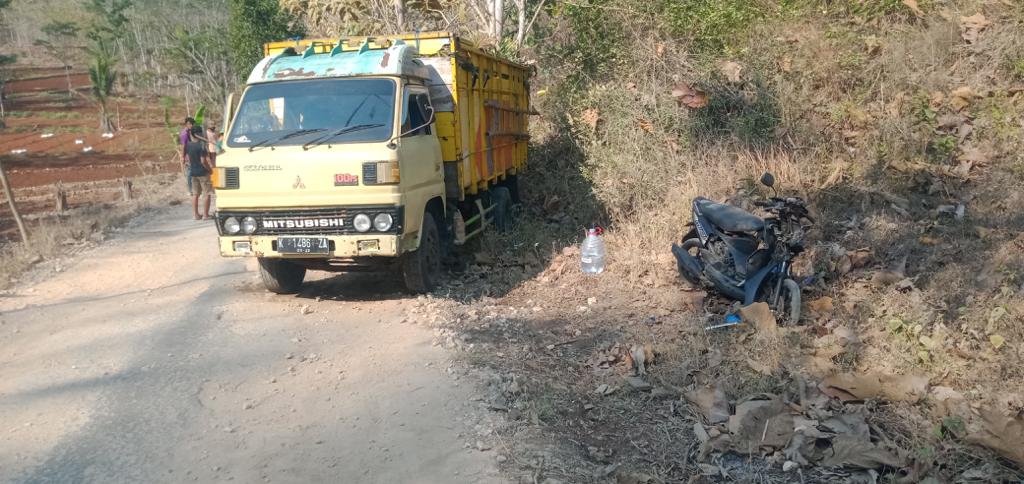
point(874, 8)
point(712, 24)
point(750, 116)
point(593, 45)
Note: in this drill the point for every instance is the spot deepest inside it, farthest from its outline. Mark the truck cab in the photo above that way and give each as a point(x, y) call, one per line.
point(335, 160)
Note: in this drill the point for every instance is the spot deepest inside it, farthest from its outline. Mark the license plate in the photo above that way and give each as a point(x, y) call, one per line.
point(304, 245)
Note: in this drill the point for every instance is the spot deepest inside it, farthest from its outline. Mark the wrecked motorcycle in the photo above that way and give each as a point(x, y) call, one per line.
point(745, 257)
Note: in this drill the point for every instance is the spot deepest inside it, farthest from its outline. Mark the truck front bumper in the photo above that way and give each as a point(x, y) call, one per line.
point(341, 246)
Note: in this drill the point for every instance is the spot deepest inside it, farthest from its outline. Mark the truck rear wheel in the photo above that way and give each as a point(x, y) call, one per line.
point(422, 268)
point(502, 200)
point(281, 276)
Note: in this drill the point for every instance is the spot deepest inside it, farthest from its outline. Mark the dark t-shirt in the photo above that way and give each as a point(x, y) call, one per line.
point(195, 151)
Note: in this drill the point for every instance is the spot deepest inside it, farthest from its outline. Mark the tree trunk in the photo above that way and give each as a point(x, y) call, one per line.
point(61, 198)
point(126, 189)
point(105, 125)
point(499, 20)
point(14, 206)
point(400, 14)
point(67, 75)
point(521, 24)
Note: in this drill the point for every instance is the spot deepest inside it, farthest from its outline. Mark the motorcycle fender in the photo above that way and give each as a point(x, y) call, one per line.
point(753, 283)
point(700, 224)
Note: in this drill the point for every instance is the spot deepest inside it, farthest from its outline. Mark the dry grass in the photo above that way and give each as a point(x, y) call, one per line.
point(853, 127)
point(64, 235)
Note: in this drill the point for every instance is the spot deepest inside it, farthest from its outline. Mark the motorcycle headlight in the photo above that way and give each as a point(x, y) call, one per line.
point(231, 226)
point(382, 222)
point(248, 225)
point(361, 222)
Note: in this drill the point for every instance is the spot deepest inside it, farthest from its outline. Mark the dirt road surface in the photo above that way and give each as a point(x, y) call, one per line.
point(152, 359)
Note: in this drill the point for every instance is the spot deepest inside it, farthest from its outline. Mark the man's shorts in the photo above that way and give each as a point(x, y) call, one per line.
point(201, 185)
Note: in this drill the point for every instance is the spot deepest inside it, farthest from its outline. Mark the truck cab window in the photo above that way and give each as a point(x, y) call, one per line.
point(416, 114)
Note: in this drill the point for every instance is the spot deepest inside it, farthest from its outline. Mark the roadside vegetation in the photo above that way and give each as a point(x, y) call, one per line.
point(899, 120)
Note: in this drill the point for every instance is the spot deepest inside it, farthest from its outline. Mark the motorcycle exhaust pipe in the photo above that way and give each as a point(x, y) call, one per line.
point(689, 266)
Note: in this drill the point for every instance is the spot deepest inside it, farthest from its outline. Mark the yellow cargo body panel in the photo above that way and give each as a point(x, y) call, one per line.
point(481, 102)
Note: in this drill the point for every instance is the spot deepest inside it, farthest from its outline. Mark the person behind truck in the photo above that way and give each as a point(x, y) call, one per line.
point(199, 171)
point(183, 140)
point(212, 140)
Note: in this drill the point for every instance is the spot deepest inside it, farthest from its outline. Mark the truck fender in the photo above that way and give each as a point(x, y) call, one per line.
point(435, 207)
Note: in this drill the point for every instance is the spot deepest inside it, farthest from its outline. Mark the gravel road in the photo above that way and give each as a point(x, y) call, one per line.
point(152, 359)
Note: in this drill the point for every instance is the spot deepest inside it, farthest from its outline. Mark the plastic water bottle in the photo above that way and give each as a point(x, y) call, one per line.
point(592, 252)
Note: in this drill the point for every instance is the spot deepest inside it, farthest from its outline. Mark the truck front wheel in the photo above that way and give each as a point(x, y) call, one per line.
point(281, 276)
point(422, 268)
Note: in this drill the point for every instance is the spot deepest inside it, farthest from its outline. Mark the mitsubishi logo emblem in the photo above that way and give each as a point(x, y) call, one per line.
point(298, 183)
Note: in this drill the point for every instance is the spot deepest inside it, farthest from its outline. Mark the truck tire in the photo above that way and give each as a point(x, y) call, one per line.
point(281, 276)
point(502, 200)
point(422, 268)
point(512, 183)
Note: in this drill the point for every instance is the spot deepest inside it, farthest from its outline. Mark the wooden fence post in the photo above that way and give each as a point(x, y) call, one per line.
point(61, 197)
point(14, 206)
point(126, 189)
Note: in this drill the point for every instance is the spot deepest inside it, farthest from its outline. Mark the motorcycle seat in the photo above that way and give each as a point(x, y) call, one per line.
point(728, 217)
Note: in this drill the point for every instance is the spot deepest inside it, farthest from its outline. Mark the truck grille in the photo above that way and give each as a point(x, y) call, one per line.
point(231, 178)
point(320, 221)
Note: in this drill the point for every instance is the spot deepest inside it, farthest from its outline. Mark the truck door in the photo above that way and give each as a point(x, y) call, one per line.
point(419, 151)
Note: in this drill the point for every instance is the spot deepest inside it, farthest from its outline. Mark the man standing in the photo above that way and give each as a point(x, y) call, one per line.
point(212, 140)
point(183, 140)
point(199, 169)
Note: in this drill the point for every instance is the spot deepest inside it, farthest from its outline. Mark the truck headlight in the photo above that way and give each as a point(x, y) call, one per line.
point(231, 225)
point(382, 222)
point(248, 225)
point(361, 222)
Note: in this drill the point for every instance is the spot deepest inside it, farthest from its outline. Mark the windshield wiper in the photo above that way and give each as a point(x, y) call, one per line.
point(293, 134)
point(348, 129)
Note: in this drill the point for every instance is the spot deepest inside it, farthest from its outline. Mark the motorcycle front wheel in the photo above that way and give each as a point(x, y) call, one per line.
point(788, 303)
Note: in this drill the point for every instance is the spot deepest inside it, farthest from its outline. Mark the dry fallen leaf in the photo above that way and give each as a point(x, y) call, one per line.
point(863, 386)
point(591, 117)
point(732, 71)
point(712, 402)
point(759, 367)
point(1000, 432)
point(689, 96)
point(971, 27)
point(859, 258)
point(912, 5)
point(822, 306)
point(997, 341)
point(947, 402)
point(645, 125)
point(714, 358)
point(760, 316)
point(961, 97)
point(975, 155)
point(856, 452)
point(844, 265)
point(760, 425)
point(873, 44)
point(786, 64)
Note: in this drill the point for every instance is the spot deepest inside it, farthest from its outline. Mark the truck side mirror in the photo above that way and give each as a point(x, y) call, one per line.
point(768, 180)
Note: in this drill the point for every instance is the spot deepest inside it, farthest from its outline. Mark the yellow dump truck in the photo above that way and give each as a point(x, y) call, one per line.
point(369, 153)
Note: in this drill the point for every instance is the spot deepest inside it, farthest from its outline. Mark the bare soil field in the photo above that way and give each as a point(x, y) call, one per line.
point(51, 136)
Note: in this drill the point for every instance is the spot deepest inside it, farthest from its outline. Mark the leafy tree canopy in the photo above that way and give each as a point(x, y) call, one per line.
point(253, 23)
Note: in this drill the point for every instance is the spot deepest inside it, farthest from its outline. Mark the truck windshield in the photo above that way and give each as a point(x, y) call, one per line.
point(270, 113)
